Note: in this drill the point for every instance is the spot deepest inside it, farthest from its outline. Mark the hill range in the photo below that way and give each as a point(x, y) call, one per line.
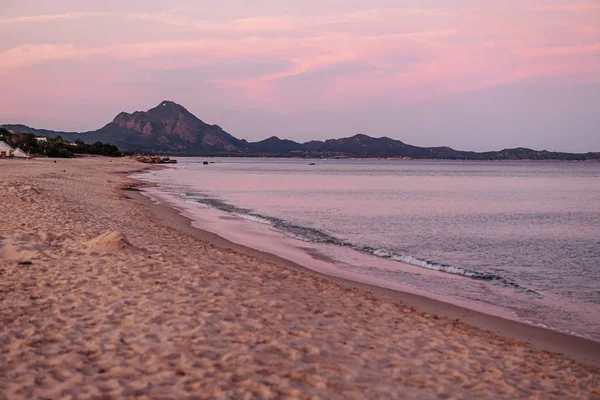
point(170, 129)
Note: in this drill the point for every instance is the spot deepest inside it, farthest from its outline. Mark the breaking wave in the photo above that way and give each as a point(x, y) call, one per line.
point(312, 235)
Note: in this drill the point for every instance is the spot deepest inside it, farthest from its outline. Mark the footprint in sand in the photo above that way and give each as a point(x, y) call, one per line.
point(29, 244)
point(14, 252)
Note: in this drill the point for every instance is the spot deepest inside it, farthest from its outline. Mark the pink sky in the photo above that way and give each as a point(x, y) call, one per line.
point(470, 74)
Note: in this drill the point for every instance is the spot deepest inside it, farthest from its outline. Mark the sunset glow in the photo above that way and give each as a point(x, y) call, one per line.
point(314, 71)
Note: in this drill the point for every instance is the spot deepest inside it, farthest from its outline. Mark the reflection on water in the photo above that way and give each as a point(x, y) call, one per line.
point(522, 236)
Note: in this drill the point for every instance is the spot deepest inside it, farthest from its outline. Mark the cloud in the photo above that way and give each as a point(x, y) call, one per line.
point(304, 53)
point(566, 7)
point(562, 51)
point(408, 52)
point(184, 16)
point(51, 17)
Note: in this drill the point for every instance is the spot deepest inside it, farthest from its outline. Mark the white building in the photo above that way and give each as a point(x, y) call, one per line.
point(20, 154)
point(5, 149)
point(41, 139)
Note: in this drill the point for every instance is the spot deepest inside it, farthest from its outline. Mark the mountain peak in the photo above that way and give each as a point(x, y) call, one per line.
point(169, 103)
point(170, 126)
point(170, 106)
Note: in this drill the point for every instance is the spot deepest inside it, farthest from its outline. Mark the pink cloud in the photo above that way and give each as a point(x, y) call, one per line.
point(462, 48)
point(562, 51)
point(49, 17)
point(566, 7)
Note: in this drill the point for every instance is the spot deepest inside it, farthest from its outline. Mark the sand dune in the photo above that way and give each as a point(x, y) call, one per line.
point(98, 299)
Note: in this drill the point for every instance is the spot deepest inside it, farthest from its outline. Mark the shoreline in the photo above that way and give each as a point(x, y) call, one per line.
point(105, 295)
point(579, 348)
point(524, 160)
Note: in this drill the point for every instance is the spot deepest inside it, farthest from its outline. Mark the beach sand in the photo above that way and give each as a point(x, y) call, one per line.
point(104, 296)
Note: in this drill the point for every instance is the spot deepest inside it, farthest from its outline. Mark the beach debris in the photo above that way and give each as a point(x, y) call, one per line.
point(312, 163)
point(109, 242)
point(155, 160)
point(25, 262)
point(205, 163)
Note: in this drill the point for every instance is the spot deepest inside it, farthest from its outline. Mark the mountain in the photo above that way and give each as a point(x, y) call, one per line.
point(39, 132)
point(171, 129)
point(364, 146)
point(166, 128)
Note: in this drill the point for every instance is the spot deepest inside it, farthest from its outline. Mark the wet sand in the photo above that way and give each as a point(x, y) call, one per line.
point(105, 295)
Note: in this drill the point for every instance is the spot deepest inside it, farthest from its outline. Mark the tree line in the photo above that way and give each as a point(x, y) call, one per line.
point(56, 146)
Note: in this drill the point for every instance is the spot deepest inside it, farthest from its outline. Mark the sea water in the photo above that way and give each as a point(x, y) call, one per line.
point(523, 237)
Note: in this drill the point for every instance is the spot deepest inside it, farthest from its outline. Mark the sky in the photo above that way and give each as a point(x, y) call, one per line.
point(473, 75)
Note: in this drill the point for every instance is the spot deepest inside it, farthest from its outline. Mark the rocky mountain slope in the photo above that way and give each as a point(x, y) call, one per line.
point(171, 129)
point(166, 128)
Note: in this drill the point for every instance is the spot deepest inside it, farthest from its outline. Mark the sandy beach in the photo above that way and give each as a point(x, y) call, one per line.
point(105, 295)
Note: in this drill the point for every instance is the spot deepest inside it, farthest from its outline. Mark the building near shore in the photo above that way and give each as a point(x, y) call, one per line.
point(5, 149)
point(18, 153)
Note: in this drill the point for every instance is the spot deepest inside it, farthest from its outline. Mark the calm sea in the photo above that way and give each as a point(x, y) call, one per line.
point(521, 237)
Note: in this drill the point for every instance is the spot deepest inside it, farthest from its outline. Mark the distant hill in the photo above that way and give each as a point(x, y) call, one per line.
point(171, 129)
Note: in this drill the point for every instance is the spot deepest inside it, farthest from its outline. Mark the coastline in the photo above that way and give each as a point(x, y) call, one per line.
point(584, 350)
point(515, 160)
point(104, 293)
